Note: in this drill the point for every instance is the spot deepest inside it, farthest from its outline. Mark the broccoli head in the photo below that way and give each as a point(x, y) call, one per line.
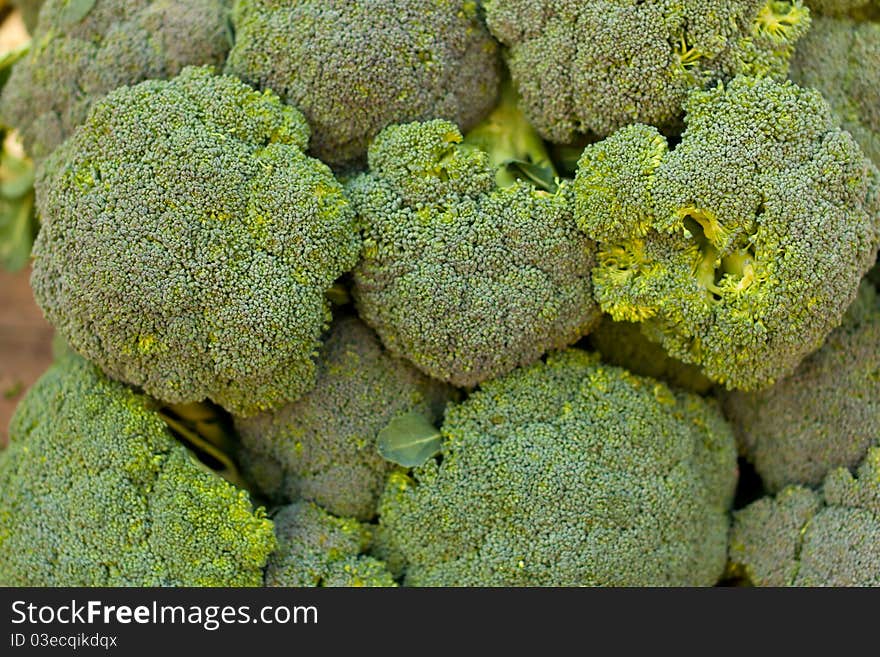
point(802, 537)
point(622, 344)
point(95, 491)
point(740, 249)
point(323, 446)
point(356, 66)
point(841, 59)
point(568, 472)
point(826, 414)
point(318, 549)
point(469, 272)
point(187, 242)
point(81, 51)
point(602, 64)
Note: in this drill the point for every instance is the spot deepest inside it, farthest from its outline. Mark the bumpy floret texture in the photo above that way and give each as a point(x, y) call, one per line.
point(77, 58)
point(323, 447)
point(187, 242)
point(826, 414)
point(465, 279)
point(624, 345)
point(95, 491)
point(356, 66)
point(841, 58)
point(319, 549)
point(802, 537)
point(568, 472)
point(602, 64)
point(741, 249)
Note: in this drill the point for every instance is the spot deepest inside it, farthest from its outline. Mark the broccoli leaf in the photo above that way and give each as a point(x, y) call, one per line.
point(409, 440)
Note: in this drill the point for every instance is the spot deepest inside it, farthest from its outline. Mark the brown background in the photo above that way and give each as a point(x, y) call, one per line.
point(25, 338)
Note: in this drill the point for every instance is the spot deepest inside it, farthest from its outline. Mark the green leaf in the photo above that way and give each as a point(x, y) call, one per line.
point(543, 177)
point(17, 229)
point(76, 10)
point(409, 440)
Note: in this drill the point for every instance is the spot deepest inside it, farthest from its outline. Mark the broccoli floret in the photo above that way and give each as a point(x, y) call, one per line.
point(741, 249)
point(806, 538)
point(858, 9)
point(826, 414)
point(622, 344)
point(467, 271)
point(187, 242)
point(598, 65)
point(841, 59)
point(81, 51)
point(318, 549)
point(95, 491)
point(568, 472)
point(323, 447)
point(356, 66)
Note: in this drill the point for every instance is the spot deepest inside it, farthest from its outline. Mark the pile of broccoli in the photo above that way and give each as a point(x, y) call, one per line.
point(446, 293)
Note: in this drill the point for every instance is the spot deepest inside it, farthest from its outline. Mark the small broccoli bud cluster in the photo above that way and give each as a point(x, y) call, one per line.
point(322, 447)
point(801, 537)
point(95, 491)
point(567, 472)
point(319, 549)
point(187, 242)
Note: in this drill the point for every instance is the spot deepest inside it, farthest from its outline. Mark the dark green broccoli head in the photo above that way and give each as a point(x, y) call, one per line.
point(323, 447)
point(624, 345)
point(318, 549)
point(83, 50)
point(740, 249)
point(568, 472)
point(858, 9)
point(356, 66)
point(823, 416)
point(462, 277)
point(95, 491)
point(806, 538)
point(603, 64)
point(841, 59)
point(187, 242)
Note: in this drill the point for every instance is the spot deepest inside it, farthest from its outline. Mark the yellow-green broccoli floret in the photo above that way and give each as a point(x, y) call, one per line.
point(841, 58)
point(801, 537)
point(81, 51)
point(322, 447)
point(95, 491)
point(825, 415)
point(319, 549)
point(598, 65)
point(740, 249)
point(356, 66)
point(568, 472)
point(472, 264)
point(624, 345)
point(187, 242)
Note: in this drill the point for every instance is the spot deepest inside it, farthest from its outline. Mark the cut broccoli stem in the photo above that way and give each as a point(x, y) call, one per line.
point(515, 149)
